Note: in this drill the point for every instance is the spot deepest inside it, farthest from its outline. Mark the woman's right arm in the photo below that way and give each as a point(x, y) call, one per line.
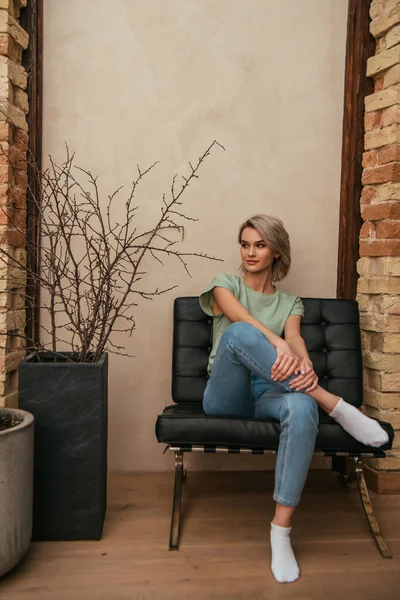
point(225, 302)
point(228, 304)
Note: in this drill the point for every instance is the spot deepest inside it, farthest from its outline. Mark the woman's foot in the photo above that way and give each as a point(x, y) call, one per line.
point(362, 428)
point(284, 565)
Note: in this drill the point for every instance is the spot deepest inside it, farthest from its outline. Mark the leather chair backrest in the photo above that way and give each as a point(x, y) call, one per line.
point(330, 329)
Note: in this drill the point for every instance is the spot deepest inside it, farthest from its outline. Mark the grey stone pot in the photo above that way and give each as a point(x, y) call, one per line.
point(16, 488)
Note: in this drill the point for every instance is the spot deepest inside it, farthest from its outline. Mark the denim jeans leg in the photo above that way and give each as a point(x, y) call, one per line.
point(228, 391)
point(242, 349)
point(298, 416)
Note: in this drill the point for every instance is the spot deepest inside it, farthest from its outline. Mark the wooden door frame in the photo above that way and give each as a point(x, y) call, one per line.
point(31, 19)
point(360, 45)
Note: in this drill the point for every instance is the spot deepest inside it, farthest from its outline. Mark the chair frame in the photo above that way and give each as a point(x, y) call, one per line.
point(339, 464)
point(189, 377)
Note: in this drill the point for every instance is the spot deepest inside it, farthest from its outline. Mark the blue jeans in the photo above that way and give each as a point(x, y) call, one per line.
point(240, 385)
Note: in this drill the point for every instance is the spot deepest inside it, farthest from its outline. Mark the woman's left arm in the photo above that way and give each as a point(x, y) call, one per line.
point(307, 380)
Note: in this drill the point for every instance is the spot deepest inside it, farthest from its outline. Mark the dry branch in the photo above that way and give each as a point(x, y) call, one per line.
point(91, 265)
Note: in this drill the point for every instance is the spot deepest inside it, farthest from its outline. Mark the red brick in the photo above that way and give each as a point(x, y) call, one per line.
point(383, 210)
point(19, 219)
point(380, 248)
point(390, 115)
point(366, 230)
point(4, 215)
point(18, 197)
point(20, 140)
point(369, 159)
point(4, 195)
point(382, 174)
point(378, 85)
point(372, 120)
point(21, 180)
point(5, 173)
point(388, 229)
point(367, 195)
point(12, 238)
point(4, 150)
point(17, 158)
point(389, 154)
point(21, 165)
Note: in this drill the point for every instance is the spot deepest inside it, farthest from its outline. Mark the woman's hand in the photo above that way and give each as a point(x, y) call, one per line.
point(307, 380)
point(286, 362)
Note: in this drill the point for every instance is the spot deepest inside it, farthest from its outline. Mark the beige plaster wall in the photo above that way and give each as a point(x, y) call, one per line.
point(129, 82)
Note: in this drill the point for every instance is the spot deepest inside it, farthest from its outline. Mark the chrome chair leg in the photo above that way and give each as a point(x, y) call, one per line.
point(366, 502)
point(176, 505)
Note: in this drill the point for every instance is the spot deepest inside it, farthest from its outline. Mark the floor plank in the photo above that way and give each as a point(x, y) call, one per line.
point(224, 551)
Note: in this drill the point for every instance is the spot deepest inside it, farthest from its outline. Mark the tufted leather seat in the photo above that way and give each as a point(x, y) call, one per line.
point(331, 332)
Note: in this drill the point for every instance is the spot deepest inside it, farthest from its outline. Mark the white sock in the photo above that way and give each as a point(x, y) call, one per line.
point(283, 565)
point(362, 428)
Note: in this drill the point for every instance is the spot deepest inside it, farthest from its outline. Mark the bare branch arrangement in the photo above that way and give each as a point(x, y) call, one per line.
point(92, 265)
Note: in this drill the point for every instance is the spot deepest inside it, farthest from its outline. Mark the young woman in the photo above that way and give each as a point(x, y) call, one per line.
point(259, 367)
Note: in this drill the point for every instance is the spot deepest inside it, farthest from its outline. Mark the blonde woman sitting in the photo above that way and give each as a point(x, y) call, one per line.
point(259, 367)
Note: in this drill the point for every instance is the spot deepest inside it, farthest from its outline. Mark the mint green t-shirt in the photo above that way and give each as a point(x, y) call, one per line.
point(272, 310)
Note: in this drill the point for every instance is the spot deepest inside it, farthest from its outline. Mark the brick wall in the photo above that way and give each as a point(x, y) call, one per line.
point(13, 183)
point(379, 265)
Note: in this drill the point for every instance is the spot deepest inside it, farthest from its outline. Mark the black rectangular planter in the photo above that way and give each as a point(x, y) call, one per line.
point(69, 403)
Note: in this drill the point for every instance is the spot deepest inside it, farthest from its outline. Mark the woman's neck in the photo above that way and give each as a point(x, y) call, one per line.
point(260, 282)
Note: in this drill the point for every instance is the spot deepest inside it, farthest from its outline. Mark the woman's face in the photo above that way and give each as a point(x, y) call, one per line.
point(255, 254)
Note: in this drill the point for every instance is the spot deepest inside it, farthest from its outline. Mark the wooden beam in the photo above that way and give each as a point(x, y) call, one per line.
point(31, 20)
point(360, 45)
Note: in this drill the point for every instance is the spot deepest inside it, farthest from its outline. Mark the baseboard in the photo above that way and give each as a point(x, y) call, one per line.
point(382, 482)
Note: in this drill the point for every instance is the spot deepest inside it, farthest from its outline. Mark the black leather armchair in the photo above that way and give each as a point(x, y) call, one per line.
point(331, 331)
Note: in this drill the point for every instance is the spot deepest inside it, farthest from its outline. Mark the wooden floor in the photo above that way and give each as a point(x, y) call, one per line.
point(224, 551)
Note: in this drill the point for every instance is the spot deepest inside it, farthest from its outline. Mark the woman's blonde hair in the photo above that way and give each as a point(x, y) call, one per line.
point(274, 234)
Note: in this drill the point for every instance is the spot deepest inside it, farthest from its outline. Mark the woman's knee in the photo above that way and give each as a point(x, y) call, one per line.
point(302, 409)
